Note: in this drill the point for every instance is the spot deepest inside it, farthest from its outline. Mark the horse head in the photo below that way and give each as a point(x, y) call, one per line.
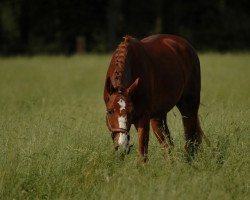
point(120, 111)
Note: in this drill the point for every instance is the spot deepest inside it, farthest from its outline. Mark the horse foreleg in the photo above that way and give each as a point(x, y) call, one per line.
point(142, 127)
point(161, 132)
point(158, 129)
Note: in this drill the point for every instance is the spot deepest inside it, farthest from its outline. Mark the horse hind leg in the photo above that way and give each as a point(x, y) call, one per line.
point(193, 134)
point(166, 132)
point(188, 107)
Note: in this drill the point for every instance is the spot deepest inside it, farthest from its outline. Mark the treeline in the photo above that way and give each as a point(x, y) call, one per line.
point(56, 26)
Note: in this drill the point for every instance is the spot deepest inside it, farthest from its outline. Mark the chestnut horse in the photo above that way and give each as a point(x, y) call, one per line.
point(144, 81)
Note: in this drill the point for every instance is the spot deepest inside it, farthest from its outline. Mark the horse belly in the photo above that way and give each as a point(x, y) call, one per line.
point(167, 90)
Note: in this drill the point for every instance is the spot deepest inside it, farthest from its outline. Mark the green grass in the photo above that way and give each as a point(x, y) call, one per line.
point(54, 143)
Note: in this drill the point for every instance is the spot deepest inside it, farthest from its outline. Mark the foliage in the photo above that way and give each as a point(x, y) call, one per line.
point(54, 143)
point(51, 27)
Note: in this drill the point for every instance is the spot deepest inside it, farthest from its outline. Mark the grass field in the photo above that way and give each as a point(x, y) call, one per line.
point(54, 143)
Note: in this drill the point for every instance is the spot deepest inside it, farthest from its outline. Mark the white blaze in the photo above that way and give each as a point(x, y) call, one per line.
point(122, 122)
point(122, 104)
point(123, 139)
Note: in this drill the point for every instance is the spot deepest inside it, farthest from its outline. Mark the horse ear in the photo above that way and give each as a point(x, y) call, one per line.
point(133, 87)
point(109, 87)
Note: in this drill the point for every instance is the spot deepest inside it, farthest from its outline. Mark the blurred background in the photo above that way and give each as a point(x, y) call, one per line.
point(78, 26)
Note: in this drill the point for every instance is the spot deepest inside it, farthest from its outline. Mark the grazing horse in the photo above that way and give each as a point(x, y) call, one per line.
point(145, 80)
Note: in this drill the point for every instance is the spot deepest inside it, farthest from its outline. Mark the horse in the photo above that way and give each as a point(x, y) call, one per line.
point(144, 81)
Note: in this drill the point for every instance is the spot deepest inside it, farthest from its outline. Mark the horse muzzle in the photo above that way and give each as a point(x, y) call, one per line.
point(121, 142)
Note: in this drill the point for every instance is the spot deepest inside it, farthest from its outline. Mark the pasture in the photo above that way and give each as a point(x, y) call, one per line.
point(54, 143)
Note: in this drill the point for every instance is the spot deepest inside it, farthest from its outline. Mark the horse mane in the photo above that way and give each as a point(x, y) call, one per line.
point(121, 52)
point(120, 56)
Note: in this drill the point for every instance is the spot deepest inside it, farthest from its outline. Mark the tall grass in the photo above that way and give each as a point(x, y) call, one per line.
point(54, 143)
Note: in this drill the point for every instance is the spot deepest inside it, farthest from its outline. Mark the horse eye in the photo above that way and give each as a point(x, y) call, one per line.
point(110, 112)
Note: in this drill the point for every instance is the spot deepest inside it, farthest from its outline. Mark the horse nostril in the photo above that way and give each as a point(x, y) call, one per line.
point(116, 148)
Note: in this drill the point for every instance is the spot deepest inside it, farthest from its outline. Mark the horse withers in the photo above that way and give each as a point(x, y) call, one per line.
point(144, 81)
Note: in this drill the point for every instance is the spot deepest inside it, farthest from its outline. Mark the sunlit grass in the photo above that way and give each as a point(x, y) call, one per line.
point(54, 143)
